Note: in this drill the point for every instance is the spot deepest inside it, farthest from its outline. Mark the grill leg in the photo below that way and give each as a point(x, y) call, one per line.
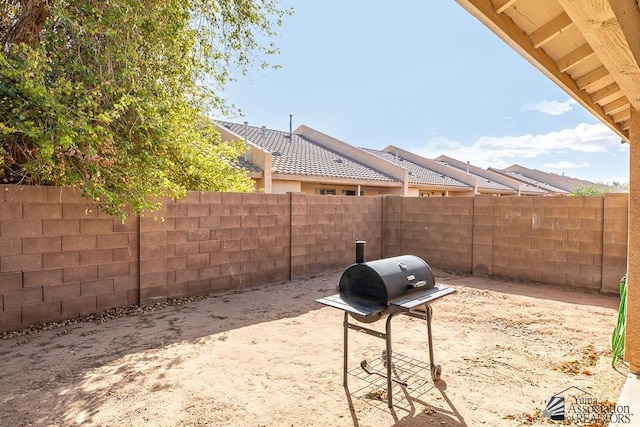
point(388, 355)
point(429, 316)
point(436, 370)
point(345, 324)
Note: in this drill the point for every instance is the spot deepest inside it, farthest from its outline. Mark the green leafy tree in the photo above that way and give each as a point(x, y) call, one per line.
point(108, 96)
point(620, 185)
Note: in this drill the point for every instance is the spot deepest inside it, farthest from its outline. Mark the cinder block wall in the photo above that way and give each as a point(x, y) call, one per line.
point(213, 242)
point(437, 229)
point(60, 257)
point(324, 231)
point(568, 241)
point(614, 241)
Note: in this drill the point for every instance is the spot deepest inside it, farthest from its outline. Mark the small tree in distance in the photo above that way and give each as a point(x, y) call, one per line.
point(620, 185)
point(108, 96)
point(589, 190)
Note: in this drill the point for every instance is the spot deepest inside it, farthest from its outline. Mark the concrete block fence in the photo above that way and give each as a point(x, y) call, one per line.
point(61, 258)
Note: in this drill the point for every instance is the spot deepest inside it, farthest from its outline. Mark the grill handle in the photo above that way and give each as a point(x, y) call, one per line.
point(419, 284)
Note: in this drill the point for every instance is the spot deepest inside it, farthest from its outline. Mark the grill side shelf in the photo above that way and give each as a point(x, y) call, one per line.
point(336, 301)
point(415, 300)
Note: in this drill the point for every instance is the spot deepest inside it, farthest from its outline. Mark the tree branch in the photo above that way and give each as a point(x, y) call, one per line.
point(29, 22)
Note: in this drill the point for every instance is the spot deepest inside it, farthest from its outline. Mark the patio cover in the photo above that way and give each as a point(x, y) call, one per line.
point(590, 49)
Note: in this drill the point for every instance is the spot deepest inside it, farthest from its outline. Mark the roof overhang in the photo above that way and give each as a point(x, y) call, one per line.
point(433, 187)
point(589, 48)
point(255, 175)
point(334, 180)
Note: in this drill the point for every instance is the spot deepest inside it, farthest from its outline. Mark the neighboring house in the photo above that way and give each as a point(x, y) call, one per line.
point(489, 182)
point(531, 181)
point(309, 161)
point(294, 162)
point(426, 177)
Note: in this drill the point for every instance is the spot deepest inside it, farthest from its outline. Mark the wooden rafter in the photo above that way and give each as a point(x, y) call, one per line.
point(625, 125)
point(616, 106)
point(575, 57)
point(515, 37)
point(612, 28)
point(592, 77)
point(622, 115)
point(501, 5)
point(612, 91)
point(551, 29)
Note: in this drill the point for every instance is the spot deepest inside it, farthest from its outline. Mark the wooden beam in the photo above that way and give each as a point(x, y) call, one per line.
point(622, 116)
point(592, 77)
point(625, 125)
point(575, 57)
point(501, 5)
point(615, 106)
point(515, 37)
point(632, 333)
point(612, 28)
point(606, 92)
point(551, 29)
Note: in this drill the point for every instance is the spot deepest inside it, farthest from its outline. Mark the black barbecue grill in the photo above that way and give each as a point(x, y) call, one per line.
point(369, 291)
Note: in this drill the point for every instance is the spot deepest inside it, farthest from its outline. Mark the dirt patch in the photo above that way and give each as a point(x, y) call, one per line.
point(273, 357)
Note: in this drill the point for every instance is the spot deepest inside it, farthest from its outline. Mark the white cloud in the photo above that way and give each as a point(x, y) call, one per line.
point(553, 108)
point(502, 151)
point(563, 164)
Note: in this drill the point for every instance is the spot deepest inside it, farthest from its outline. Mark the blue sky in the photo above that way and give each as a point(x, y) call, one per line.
point(428, 77)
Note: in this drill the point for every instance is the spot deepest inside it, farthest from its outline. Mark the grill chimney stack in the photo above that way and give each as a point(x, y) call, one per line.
point(360, 251)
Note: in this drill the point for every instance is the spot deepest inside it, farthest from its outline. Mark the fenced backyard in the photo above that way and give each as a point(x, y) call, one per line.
point(259, 350)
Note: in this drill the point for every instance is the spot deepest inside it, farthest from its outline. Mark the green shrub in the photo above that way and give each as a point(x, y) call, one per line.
point(617, 338)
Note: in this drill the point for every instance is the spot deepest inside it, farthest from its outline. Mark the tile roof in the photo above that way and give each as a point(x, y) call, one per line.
point(297, 155)
point(531, 182)
point(481, 181)
point(566, 183)
point(244, 164)
point(418, 174)
point(532, 189)
point(485, 178)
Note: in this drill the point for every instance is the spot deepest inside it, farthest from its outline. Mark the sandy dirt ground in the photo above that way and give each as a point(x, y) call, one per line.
point(274, 357)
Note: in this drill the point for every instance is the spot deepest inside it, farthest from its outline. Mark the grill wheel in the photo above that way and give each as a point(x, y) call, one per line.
point(436, 372)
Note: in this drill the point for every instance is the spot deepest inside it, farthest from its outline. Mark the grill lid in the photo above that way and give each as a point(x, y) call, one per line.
point(379, 282)
point(369, 290)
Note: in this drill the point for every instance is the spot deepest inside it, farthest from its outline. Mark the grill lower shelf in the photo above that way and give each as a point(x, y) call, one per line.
point(372, 388)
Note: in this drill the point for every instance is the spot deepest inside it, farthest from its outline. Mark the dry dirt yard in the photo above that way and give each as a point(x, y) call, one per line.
point(273, 357)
